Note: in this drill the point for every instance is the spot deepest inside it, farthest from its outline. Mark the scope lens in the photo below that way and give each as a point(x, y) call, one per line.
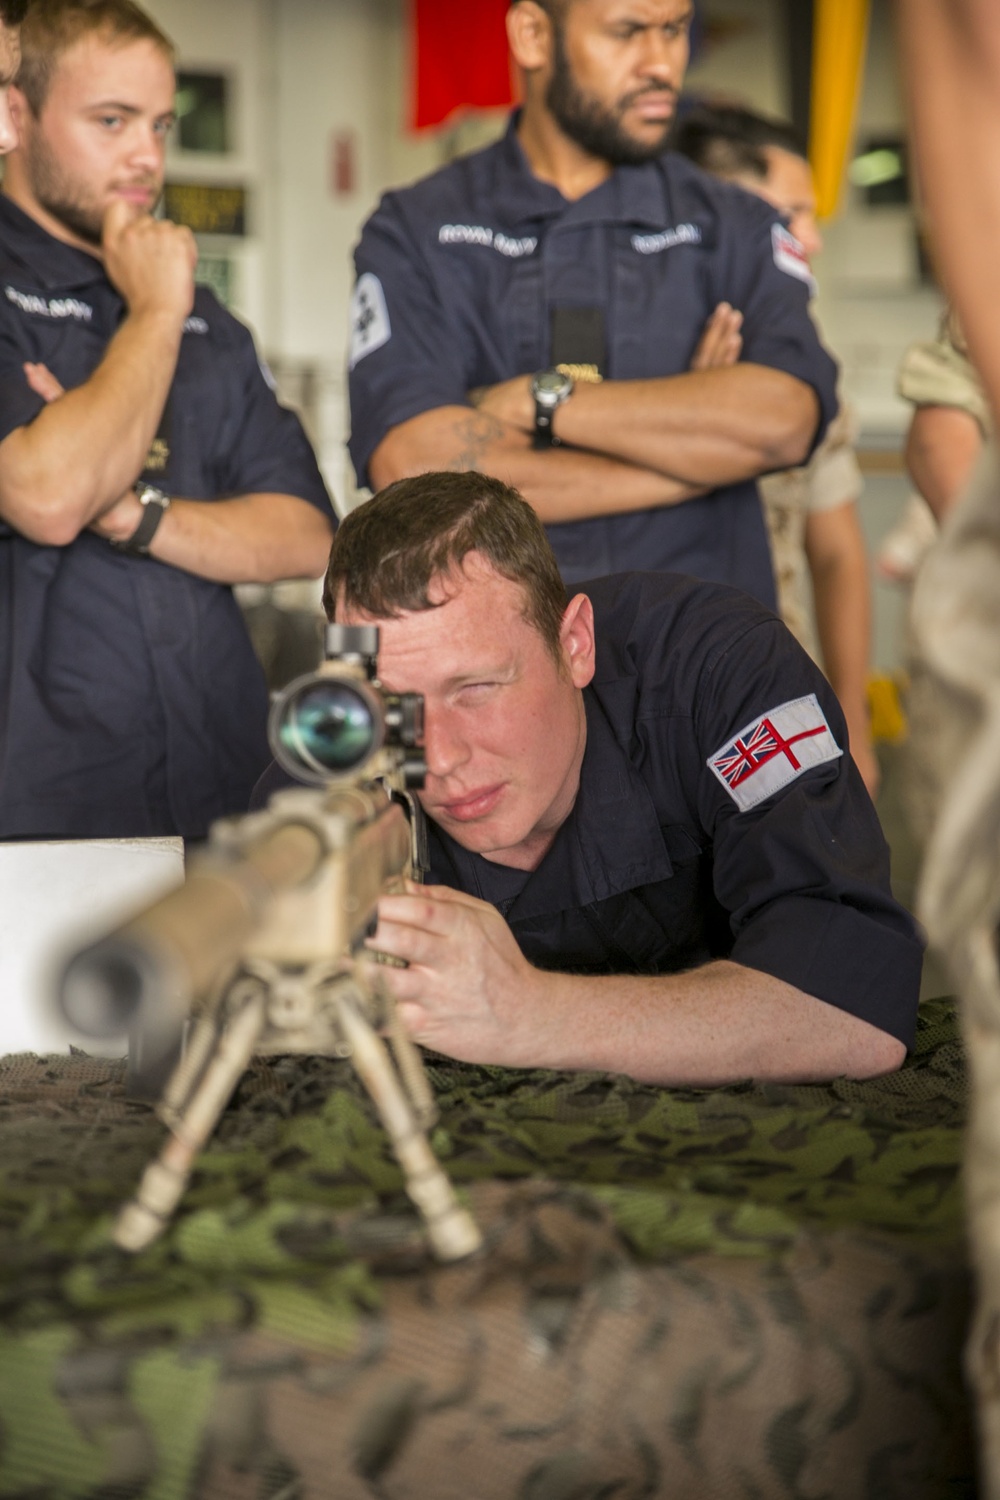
point(328, 727)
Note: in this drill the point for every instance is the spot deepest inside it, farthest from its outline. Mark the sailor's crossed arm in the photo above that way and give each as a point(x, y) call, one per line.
point(710, 426)
point(623, 445)
point(87, 447)
point(256, 538)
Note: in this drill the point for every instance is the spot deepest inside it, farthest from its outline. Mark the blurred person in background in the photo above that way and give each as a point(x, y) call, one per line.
point(952, 418)
point(951, 54)
point(950, 423)
point(811, 511)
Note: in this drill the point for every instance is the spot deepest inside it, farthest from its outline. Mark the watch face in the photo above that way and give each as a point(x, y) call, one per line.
point(551, 386)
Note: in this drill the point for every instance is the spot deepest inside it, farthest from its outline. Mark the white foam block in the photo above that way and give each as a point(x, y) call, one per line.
point(55, 897)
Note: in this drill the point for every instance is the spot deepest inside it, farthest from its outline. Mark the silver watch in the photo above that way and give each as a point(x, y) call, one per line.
point(550, 388)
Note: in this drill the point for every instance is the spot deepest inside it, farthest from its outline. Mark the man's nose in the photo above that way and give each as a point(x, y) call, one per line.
point(445, 748)
point(146, 147)
point(663, 57)
point(806, 231)
point(8, 130)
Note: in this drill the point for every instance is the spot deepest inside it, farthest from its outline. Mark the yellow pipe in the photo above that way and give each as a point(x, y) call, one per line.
point(840, 30)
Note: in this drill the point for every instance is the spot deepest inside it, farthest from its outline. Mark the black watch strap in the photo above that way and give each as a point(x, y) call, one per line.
point(154, 504)
point(544, 434)
point(550, 388)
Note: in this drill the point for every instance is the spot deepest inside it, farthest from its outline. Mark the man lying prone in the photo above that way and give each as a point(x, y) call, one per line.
point(650, 850)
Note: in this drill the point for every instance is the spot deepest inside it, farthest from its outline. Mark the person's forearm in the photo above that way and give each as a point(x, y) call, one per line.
point(258, 538)
point(706, 427)
point(842, 599)
point(843, 623)
point(467, 990)
point(562, 484)
point(942, 446)
point(838, 565)
point(712, 1025)
point(86, 447)
point(951, 57)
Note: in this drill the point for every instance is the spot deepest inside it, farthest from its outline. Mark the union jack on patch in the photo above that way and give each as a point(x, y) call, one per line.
point(773, 750)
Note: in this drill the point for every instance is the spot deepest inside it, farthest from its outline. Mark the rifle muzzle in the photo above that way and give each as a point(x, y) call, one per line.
point(104, 987)
point(151, 972)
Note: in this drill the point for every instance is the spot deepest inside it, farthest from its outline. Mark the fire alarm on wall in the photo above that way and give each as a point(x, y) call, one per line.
point(343, 162)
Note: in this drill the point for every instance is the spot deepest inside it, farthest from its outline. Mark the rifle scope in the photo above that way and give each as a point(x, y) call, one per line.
point(328, 725)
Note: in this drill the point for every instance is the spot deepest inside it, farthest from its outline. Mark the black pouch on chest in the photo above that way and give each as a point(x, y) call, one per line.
point(579, 346)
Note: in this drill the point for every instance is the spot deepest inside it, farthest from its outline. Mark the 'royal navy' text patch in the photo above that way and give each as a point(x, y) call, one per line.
point(773, 750)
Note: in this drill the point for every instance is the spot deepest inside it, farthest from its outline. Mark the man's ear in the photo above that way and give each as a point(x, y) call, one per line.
point(529, 34)
point(20, 112)
point(576, 637)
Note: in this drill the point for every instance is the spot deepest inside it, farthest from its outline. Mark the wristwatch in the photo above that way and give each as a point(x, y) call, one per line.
point(550, 389)
point(154, 504)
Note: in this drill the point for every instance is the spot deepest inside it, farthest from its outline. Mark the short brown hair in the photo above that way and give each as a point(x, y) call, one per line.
point(387, 552)
point(12, 12)
point(51, 27)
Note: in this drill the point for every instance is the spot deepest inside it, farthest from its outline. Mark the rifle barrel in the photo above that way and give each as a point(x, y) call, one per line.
point(155, 965)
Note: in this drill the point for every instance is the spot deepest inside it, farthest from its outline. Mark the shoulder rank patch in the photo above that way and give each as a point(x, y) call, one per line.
point(789, 255)
point(773, 750)
point(369, 318)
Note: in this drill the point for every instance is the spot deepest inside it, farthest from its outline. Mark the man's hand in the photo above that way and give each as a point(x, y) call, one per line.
point(511, 402)
point(150, 261)
point(120, 520)
point(721, 342)
point(468, 985)
point(42, 381)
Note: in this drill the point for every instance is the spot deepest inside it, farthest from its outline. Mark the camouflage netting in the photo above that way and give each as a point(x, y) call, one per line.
point(741, 1292)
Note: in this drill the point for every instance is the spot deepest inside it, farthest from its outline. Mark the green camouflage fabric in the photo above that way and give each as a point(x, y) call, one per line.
point(748, 1292)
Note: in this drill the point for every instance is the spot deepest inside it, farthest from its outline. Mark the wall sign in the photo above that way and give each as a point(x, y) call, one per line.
point(206, 209)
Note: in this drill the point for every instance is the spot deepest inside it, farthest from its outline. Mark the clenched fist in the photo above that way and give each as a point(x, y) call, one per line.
point(150, 261)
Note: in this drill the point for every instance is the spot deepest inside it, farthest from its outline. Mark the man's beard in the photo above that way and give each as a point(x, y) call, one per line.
point(593, 126)
point(62, 196)
point(58, 194)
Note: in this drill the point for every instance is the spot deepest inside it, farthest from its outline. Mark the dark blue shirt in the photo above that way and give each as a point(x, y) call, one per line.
point(458, 280)
point(659, 868)
point(131, 702)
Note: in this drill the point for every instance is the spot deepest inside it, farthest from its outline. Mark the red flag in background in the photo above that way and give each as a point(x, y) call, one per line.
point(459, 52)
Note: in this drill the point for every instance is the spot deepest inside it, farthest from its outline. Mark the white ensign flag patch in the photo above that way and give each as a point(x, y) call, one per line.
point(773, 750)
point(369, 318)
point(789, 255)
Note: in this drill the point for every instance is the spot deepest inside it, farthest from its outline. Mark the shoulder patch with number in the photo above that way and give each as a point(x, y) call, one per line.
point(771, 751)
point(369, 318)
point(789, 255)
